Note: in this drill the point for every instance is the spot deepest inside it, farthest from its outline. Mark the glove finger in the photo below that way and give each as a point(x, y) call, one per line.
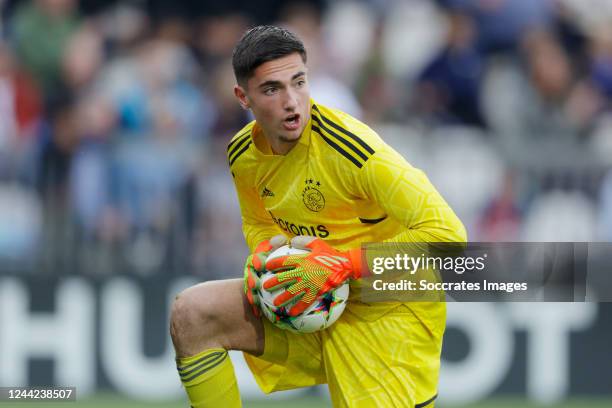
point(259, 261)
point(263, 246)
point(318, 245)
point(302, 241)
point(258, 257)
point(252, 279)
point(286, 297)
point(264, 249)
point(278, 241)
point(282, 263)
point(278, 282)
point(298, 308)
point(253, 298)
point(250, 297)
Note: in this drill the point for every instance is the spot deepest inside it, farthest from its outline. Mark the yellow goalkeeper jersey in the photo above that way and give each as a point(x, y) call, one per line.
point(341, 182)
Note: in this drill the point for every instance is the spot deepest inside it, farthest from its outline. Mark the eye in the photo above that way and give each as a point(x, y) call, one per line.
point(300, 83)
point(270, 91)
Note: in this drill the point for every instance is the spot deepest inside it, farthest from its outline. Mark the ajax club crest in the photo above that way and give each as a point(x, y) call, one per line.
point(311, 196)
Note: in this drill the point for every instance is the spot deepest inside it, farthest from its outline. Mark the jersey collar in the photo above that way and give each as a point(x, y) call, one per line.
point(305, 138)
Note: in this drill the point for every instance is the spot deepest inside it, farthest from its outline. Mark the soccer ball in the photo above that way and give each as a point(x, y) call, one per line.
point(323, 312)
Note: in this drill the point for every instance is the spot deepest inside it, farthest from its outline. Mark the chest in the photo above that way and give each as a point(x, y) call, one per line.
point(311, 197)
point(302, 189)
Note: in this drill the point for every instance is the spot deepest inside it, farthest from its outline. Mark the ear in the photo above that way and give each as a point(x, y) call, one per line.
point(242, 97)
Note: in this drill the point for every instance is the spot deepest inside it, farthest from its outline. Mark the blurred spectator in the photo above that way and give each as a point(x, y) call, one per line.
point(3, 8)
point(551, 78)
point(82, 58)
point(20, 225)
point(600, 64)
point(123, 26)
point(305, 20)
point(59, 138)
point(537, 98)
point(377, 94)
point(586, 14)
point(159, 71)
point(605, 209)
point(466, 169)
point(501, 24)
point(449, 88)
point(501, 219)
point(91, 171)
point(228, 115)
point(601, 140)
point(165, 121)
point(41, 29)
point(570, 34)
point(414, 31)
point(120, 113)
point(560, 216)
point(215, 37)
point(348, 30)
point(20, 115)
point(218, 225)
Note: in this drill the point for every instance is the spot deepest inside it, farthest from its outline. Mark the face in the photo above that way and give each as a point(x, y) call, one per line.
point(279, 98)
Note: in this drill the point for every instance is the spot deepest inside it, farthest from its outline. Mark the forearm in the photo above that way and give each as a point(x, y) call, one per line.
point(454, 233)
point(416, 243)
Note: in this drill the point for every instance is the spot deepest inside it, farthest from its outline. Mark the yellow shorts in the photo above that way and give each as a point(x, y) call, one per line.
point(392, 361)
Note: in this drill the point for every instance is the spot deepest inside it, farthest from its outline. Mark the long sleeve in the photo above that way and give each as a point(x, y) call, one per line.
point(257, 224)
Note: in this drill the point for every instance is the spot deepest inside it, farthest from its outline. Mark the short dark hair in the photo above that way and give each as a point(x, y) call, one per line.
point(262, 44)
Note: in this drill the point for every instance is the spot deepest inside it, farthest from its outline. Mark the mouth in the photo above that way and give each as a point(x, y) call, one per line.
point(292, 122)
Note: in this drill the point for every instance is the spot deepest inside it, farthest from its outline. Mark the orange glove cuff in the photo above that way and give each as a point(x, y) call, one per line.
point(360, 268)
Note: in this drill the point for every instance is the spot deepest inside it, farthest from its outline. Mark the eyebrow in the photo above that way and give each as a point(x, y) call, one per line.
point(278, 83)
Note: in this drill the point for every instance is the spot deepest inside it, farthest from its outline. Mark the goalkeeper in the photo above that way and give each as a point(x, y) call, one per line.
point(305, 170)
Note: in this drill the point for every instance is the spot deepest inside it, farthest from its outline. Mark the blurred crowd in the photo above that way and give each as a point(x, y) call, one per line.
point(114, 117)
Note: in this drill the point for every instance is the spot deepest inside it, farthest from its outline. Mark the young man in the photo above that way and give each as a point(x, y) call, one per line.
point(302, 169)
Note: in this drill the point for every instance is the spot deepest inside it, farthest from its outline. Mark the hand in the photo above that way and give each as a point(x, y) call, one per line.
point(255, 266)
point(306, 277)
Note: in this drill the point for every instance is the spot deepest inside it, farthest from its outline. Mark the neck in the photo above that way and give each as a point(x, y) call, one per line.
point(281, 147)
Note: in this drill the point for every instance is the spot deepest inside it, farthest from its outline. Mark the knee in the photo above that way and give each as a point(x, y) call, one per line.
point(193, 322)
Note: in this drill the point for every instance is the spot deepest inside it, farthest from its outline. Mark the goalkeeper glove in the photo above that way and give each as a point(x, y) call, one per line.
point(255, 266)
point(306, 277)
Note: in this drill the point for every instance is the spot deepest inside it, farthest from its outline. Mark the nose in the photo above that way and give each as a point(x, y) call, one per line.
point(290, 101)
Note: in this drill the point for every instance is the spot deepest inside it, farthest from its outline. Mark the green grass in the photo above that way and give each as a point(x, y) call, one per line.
point(516, 402)
point(114, 401)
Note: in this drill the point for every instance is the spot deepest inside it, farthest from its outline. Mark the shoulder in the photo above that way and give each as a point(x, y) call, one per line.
point(345, 134)
point(239, 145)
